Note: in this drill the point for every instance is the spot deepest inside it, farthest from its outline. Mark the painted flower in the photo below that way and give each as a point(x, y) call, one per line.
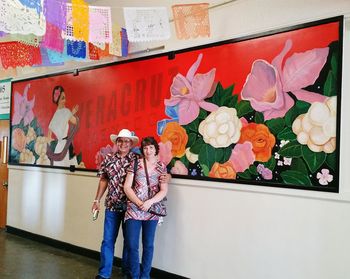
point(265, 172)
point(225, 171)
point(287, 161)
point(189, 93)
point(221, 127)
point(324, 177)
point(317, 127)
point(191, 157)
point(176, 134)
point(19, 139)
point(267, 85)
point(26, 157)
point(31, 135)
point(242, 156)
point(165, 154)
point(261, 138)
point(283, 143)
point(40, 146)
point(43, 160)
point(171, 112)
point(23, 108)
point(260, 168)
point(101, 154)
point(179, 168)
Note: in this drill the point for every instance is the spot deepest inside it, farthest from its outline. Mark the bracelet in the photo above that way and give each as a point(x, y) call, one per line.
point(97, 201)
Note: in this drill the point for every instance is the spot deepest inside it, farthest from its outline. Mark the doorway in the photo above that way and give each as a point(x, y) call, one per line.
point(4, 131)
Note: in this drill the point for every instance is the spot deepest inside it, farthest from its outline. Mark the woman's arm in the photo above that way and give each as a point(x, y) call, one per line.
point(73, 119)
point(129, 192)
point(49, 135)
point(156, 198)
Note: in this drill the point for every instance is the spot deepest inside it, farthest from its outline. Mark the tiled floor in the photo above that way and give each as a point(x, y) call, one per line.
point(21, 258)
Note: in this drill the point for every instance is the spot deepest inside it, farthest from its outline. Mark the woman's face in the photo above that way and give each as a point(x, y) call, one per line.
point(62, 99)
point(149, 151)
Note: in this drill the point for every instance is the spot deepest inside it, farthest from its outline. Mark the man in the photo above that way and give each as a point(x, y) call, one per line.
point(112, 175)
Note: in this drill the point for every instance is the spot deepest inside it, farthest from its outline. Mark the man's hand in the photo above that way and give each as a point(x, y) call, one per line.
point(165, 178)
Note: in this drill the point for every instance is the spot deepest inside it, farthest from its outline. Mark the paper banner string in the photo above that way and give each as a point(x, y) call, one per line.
point(46, 62)
point(55, 12)
point(25, 39)
point(68, 32)
point(115, 48)
point(14, 54)
point(57, 57)
point(191, 20)
point(80, 20)
point(147, 24)
point(100, 25)
point(52, 39)
point(10, 72)
point(15, 19)
point(125, 42)
point(96, 53)
point(76, 49)
point(33, 4)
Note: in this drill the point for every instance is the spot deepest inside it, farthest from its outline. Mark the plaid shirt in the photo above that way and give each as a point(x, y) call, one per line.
point(114, 169)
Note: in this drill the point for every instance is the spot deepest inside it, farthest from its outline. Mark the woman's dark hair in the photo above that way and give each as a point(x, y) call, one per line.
point(56, 93)
point(149, 141)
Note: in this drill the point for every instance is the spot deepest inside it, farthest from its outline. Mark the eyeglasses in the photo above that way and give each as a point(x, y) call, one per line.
point(120, 141)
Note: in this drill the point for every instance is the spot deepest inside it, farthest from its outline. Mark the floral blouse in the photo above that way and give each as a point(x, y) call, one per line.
point(141, 190)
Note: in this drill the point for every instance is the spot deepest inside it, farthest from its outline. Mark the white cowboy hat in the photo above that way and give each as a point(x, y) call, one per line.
point(125, 133)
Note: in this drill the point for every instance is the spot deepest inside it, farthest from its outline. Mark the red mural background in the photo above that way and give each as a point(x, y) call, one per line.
point(131, 94)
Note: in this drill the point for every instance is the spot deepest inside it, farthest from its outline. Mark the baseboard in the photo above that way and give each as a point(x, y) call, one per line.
point(155, 273)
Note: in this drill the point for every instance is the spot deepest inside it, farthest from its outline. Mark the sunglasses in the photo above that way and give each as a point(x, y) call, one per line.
point(123, 141)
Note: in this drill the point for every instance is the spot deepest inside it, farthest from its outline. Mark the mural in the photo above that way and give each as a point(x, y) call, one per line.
point(263, 110)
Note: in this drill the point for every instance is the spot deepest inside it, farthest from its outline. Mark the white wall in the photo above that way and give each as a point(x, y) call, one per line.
point(217, 230)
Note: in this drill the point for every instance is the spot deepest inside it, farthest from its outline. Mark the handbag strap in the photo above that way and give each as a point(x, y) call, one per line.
point(145, 166)
point(135, 170)
point(147, 178)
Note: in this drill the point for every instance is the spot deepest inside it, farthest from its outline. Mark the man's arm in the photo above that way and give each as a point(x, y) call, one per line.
point(102, 186)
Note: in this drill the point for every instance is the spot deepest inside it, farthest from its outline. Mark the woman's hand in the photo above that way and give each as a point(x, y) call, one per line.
point(75, 109)
point(146, 205)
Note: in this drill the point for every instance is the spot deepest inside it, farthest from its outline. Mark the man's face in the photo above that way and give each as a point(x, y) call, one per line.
point(124, 145)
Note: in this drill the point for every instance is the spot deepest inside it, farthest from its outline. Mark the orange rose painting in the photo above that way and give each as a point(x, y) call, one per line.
point(261, 139)
point(225, 171)
point(176, 134)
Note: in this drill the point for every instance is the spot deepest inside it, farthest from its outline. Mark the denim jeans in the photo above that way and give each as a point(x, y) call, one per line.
point(112, 222)
point(133, 228)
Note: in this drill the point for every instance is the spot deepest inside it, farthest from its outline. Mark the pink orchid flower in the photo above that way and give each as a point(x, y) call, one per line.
point(165, 154)
point(189, 93)
point(23, 108)
point(267, 84)
point(103, 152)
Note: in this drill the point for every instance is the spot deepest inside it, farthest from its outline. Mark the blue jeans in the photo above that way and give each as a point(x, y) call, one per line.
point(133, 228)
point(112, 223)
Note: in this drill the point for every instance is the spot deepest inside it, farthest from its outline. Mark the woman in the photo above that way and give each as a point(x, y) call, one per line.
point(140, 200)
point(59, 125)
